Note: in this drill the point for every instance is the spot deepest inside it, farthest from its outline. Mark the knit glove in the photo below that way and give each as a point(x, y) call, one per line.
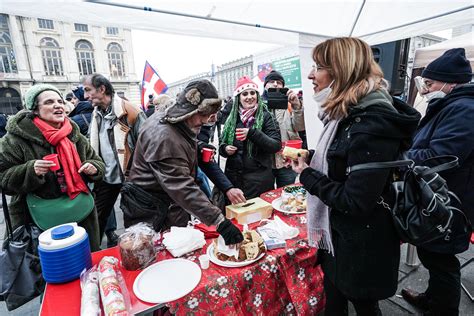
point(229, 232)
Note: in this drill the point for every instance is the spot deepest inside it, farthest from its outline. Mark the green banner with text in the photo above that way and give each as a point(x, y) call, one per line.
point(290, 69)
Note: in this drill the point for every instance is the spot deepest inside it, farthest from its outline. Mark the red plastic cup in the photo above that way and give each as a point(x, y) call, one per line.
point(207, 154)
point(239, 134)
point(54, 158)
point(295, 143)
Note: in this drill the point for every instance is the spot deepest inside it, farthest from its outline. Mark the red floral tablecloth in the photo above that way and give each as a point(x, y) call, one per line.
point(285, 281)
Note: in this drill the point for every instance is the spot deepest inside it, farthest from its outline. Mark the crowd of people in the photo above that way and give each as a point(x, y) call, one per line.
point(108, 147)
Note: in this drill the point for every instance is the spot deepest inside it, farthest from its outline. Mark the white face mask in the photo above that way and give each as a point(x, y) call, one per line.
point(321, 96)
point(435, 94)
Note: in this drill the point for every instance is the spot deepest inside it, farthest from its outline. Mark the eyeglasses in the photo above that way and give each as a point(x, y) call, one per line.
point(317, 67)
point(246, 93)
point(422, 83)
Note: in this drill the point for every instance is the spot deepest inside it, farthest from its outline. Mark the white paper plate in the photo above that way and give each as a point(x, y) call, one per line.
point(276, 203)
point(167, 280)
point(229, 264)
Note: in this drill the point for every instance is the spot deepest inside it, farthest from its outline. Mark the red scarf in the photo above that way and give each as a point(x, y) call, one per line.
point(67, 154)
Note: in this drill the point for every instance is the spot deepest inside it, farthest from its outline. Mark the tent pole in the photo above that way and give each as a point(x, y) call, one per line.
point(357, 19)
point(422, 20)
point(128, 6)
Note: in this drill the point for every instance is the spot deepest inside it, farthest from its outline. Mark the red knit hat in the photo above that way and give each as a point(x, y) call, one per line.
point(244, 83)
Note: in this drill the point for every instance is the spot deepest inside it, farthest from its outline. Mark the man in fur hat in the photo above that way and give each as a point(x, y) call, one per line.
point(161, 188)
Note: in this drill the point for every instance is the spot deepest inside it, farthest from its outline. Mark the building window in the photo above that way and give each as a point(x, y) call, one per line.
point(85, 57)
point(45, 24)
point(81, 27)
point(53, 64)
point(7, 55)
point(112, 31)
point(116, 63)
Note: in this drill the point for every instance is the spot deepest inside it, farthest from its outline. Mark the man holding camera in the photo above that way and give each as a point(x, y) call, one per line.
point(287, 109)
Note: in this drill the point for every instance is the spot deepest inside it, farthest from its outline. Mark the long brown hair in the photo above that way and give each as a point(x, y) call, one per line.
point(351, 64)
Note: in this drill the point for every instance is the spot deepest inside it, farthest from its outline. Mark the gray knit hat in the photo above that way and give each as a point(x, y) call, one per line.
point(36, 90)
point(199, 96)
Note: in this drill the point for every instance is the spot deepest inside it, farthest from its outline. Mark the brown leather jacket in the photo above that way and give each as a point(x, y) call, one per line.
point(164, 163)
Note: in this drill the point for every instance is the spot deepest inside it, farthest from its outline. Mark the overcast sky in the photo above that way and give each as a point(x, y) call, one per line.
point(175, 57)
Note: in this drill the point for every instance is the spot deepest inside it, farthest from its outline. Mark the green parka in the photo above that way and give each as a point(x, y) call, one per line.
point(19, 149)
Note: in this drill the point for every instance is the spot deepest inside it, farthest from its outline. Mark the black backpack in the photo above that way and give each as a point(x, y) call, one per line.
point(419, 199)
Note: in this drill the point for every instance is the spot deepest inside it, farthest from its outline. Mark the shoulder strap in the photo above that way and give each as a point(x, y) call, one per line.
point(85, 119)
point(6, 214)
point(453, 161)
point(380, 165)
point(130, 111)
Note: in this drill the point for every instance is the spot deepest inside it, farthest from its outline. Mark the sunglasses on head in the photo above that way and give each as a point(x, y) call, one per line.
point(251, 92)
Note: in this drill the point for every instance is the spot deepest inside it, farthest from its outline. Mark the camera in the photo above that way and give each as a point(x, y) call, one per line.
point(277, 98)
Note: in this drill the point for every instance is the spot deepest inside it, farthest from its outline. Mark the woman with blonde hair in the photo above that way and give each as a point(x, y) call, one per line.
point(358, 246)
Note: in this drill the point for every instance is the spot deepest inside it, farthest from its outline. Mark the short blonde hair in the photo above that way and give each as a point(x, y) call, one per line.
point(351, 64)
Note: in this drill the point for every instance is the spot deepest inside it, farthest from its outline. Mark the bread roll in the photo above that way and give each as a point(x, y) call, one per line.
point(292, 153)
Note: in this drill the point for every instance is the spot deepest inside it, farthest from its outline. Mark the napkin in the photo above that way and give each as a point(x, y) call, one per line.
point(230, 251)
point(210, 232)
point(182, 240)
point(279, 229)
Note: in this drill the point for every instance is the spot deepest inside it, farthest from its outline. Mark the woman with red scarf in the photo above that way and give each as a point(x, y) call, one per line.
point(249, 139)
point(42, 129)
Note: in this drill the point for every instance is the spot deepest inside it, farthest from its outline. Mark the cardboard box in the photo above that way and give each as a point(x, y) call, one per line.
point(251, 211)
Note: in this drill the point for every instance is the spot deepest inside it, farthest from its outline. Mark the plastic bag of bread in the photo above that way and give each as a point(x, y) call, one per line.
point(90, 298)
point(113, 291)
point(292, 153)
point(136, 246)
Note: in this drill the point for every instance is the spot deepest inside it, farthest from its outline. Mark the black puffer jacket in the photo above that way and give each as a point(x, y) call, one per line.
point(254, 175)
point(367, 248)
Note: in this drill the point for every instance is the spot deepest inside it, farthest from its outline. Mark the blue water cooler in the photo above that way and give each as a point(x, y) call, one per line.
point(64, 252)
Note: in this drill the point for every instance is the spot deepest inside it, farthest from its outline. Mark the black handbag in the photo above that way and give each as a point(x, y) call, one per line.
point(20, 270)
point(139, 205)
point(419, 200)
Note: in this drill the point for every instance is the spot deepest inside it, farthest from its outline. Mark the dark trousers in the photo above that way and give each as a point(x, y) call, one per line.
point(336, 303)
point(284, 176)
point(444, 285)
point(105, 196)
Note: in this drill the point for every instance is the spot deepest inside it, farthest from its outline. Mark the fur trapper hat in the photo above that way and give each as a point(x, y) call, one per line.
point(199, 96)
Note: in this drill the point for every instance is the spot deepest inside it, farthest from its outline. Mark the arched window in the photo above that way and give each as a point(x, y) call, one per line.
point(53, 64)
point(7, 55)
point(116, 64)
point(85, 57)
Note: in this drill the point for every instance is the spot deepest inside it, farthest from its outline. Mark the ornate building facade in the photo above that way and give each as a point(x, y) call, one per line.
point(35, 50)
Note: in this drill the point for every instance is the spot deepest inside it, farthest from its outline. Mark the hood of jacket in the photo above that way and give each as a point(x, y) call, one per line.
point(386, 116)
point(82, 107)
point(22, 126)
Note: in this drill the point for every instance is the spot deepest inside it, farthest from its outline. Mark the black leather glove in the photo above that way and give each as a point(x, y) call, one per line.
point(202, 145)
point(230, 233)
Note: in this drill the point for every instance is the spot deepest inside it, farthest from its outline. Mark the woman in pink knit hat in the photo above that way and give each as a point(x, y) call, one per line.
point(249, 139)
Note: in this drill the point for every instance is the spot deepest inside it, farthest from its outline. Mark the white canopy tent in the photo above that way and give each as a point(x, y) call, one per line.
point(273, 21)
point(425, 55)
point(303, 23)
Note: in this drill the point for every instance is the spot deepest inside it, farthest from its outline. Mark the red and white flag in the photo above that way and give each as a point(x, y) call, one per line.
point(151, 84)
